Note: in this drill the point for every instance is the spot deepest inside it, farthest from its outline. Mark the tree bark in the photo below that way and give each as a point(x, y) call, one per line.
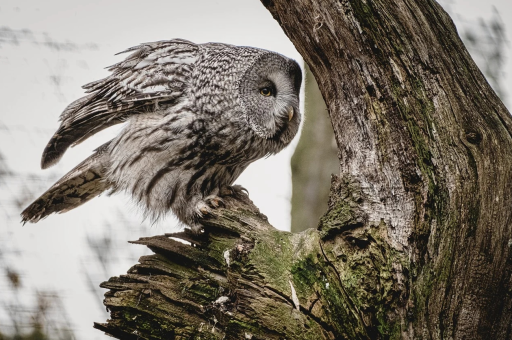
point(417, 241)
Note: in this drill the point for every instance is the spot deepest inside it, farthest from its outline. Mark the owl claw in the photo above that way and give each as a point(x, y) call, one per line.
point(202, 209)
point(238, 189)
point(234, 190)
point(205, 210)
point(206, 206)
point(214, 201)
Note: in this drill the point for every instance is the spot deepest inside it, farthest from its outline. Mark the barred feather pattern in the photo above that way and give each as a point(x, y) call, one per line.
point(197, 116)
point(179, 162)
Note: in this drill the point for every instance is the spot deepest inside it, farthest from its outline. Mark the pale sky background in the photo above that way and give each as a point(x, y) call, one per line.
point(48, 50)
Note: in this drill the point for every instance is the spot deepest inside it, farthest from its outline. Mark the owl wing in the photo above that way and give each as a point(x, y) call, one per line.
point(155, 73)
point(81, 184)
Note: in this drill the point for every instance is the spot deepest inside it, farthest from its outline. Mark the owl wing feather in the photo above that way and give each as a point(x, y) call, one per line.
point(154, 73)
point(81, 184)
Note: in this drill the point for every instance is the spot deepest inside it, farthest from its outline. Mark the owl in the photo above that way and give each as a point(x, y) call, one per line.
point(196, 116)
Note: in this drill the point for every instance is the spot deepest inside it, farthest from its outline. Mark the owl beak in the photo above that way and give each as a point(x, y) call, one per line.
point(290, 113)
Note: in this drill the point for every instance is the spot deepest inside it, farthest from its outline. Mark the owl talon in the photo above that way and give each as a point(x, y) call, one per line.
point(234, 190)
point(214, 201)
point(202, 209)
point(239, 189)
point(205, 210)
point(206, 206)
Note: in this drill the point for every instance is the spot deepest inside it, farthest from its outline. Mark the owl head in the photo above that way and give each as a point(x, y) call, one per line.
point(257, 87)
point(269, 95)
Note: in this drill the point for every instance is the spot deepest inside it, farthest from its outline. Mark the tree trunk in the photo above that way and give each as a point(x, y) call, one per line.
point(417, 241)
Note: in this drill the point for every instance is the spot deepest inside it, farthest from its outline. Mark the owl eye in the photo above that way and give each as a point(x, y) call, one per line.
point(266, 91)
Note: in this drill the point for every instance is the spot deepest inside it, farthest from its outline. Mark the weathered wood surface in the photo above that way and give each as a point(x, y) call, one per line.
point(417, 241)
point(240, 279)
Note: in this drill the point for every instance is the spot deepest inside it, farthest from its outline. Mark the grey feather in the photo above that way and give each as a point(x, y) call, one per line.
point(86, 181)
point(127, 91)
point(197, 115)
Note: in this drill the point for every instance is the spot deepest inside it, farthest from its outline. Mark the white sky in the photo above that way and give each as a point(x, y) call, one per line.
point(38, 81)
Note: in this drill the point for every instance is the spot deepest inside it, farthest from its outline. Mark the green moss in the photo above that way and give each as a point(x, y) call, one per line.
point(204, 291)
point(237, 328)
point(135, 322)
point(367, 264)
point(344, 210)
point(364, 13)
point(305, 276)
point(218, 246)
point(273, 254)
point(340, 216)
point(285, 257)
point(312, 277)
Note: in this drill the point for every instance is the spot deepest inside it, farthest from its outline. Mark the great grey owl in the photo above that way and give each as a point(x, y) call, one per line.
point(197, 115)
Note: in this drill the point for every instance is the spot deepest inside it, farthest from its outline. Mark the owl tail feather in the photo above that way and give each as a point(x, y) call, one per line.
point(78, 186)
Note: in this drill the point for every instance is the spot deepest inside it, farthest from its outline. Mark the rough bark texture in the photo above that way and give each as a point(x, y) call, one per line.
point(314, 160)
point(417, 241)
point(240, 279)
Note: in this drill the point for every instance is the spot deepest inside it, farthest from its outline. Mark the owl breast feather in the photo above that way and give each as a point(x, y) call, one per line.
point(170, 161)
